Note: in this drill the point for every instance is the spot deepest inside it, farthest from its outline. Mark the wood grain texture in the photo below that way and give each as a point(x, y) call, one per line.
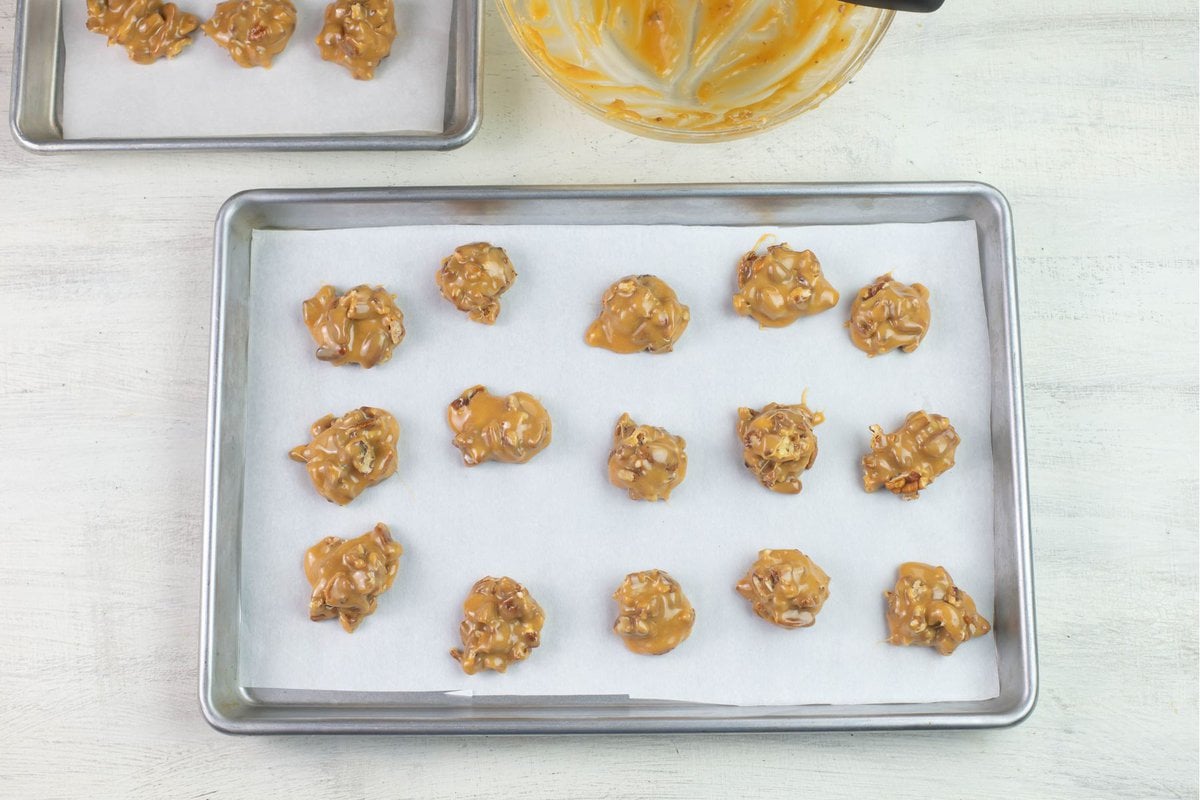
point(1084, 112)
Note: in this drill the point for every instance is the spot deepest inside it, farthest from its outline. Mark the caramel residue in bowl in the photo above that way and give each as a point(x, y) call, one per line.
point(501, 625)
point(511, 428)
point(889, 314)
point(349, 453)
point(645, 461)
point(778, 443)
point(473, 277)
point(907, 461)
point(347, 576)
point(253, 31)
point(358, 34)
point(639, 313)
point(732, 66)
point(362, 326)
point(147, 29)
point(927, 609)
point(653, 614)
point(785, 587)
point(779, 286)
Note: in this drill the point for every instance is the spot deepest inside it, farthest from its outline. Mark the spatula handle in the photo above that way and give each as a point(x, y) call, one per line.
point(922, 6)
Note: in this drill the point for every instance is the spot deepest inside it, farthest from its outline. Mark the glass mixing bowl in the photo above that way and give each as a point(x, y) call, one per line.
point(695, 70)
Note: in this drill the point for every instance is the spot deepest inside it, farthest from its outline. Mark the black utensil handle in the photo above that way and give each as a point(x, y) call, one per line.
point(922, 6)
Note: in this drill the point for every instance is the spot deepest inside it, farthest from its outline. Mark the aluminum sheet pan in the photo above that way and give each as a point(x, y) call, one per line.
point(235, 708)
point(35, 113)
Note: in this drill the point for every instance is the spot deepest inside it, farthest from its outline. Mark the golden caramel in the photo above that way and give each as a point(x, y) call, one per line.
point(147, 29)
point(253, 31)
point(695, 67)
point(639, 313)
point(347, 577)
point(349, 453)
point(778, 443)
point(362, 326)
point(907, 461)
point(645, 461)
point(889, 314)
point(487, 427)
point(785, 587)
point(473, 277)
point(779, 286)
point(358, 34)
point(501, 624)
point(653, 615)
point(927, 609)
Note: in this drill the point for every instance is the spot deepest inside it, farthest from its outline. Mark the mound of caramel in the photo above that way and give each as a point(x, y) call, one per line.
point(473, 277)
point(501, 624)
point(510, 428)
point(645, 461)
point(358, 34)
point(653, 615)
point(778, 443)
point(253, 31)
point(907, 461)
point(147, 29)
point(785, 587)
point(349, 453)
point(927, 609)
point(779, 286)
point(347, 577)
point(639, 313)
point(889, 314)
point(362, 326)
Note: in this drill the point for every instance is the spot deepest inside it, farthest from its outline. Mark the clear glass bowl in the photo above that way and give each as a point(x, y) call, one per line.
point(695, 70)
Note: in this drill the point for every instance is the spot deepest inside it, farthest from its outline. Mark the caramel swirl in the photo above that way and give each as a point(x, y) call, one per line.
point(733, 66)
point(927, 609)
point(347, 577)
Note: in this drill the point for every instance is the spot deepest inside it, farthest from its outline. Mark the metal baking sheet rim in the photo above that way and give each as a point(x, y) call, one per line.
point(35, 107)
point(231, 708)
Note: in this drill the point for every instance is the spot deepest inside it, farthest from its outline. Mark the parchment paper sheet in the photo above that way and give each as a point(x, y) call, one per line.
point(558, 526)
point(202, 92)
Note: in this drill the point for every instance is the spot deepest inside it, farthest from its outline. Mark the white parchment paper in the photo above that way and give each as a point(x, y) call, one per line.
point(558, 526)
point(202, 92)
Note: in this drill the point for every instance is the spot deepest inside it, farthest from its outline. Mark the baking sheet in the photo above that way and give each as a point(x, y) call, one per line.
point(202, 92)
point(557, 525)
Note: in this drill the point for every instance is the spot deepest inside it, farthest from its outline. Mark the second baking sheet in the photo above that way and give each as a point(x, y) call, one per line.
point(558, 526)
point(202, 92)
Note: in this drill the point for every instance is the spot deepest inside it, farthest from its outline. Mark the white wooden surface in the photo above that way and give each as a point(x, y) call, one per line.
point(1083, 111)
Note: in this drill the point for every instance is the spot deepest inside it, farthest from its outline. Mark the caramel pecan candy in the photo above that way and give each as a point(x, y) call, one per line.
point(907, 461)
point(889, 314)
point(501, 625)
point(349, 453)
point(347, 576)
point(927, 609)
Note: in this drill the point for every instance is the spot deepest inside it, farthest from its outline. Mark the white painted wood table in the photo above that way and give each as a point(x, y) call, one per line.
point(1083, 111)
